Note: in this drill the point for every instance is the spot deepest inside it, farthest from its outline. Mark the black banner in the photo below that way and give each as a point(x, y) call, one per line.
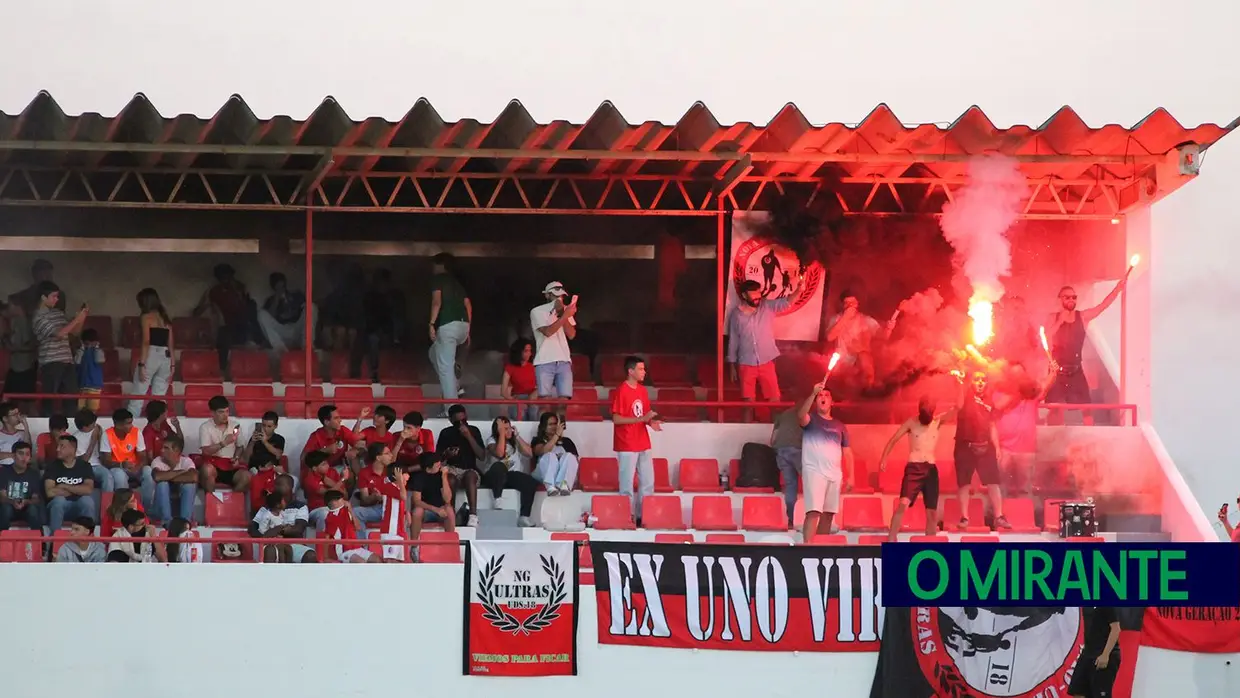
point(999, 652)
point(739, 597)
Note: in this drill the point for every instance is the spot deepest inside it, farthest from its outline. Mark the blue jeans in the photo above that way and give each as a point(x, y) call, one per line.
point(61, 508)
point(443, 357)
point(557, 467)
point(146, 484)
point(32, 514)
point(369, 514)
point(162, 507)
point(789, 462)
point(530, 411)
point(642, 463)
point(555, 379)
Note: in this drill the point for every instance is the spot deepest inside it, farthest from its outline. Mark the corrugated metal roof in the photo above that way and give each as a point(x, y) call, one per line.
point(880, 145)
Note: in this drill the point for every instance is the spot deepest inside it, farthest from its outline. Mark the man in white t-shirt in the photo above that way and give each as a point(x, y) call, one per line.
point(554, 325)
point(13, 428)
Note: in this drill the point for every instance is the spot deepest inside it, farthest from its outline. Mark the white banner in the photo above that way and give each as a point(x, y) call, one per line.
point(521, 608)
point(782, 277)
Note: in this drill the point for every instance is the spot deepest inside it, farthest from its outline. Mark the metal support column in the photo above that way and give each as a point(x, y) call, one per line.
point(720, 303)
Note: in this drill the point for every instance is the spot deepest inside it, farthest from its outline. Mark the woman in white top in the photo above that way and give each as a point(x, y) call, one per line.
point(504, 470)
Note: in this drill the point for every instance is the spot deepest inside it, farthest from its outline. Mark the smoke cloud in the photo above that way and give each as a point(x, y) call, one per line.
point(977, 220)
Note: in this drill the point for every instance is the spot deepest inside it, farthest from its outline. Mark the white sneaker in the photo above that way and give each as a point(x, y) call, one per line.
point(473, 520)
point(525, 522)
point(552, 491)
point(565, 490)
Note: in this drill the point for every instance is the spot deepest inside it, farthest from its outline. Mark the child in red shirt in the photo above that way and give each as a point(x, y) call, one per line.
point(632, 417)
point(413, 441)
point(342, 524)
point(381, 432)
point(395, 523)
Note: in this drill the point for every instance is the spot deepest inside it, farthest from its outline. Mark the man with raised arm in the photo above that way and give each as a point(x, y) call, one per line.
point(1065, 331)
point(921, 475)
point(826, 461)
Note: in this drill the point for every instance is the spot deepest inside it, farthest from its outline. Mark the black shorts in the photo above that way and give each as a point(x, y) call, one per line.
point(1091, 682)
point(977, 458)
point(921, 478)
point(1070, 388)
point(225, 477)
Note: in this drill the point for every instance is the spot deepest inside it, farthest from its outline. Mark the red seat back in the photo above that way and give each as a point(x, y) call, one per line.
point(677, 413)
point(668, 369)
point(404, 399)
point(103, 325)
point(338, 370)
point(662, 512)
point(871, 539)
point(197, 397)
point(294, 401)
point(673, 537)
point(293, 367)
point(763, 513)
point(28, 551)
point(829, 539)
point(613, 511)
point(662, 476)
point(979, 539)
point(397, 367)
point(862, 513)
point(192, 333)
point(726, 538)
point(699, 475)
point(131, 332)
point(585, 560)
point(249, 366)
point(445, 547)
point(713, 512)
point(225, 509)
point(200, 366)
point(350, 399)
point(251, 401)
point(598, 475)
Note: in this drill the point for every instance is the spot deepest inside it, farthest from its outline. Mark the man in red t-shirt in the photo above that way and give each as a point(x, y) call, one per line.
point(160, 424)
point(631, 415)
point(413, 441)
point(333, 438)
point(319, 480)
point(381, 432)
point(370, 480)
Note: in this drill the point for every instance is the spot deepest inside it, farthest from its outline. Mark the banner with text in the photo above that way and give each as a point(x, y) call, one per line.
point(756, 257)
point(521, 608)
point(1209, 629)
point(738, 597)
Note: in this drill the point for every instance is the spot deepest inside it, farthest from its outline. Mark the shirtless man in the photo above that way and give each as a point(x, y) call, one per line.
point(1065, 330)
point(921, 475)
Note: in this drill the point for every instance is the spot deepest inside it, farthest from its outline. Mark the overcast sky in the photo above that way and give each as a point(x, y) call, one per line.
point(1112, 60)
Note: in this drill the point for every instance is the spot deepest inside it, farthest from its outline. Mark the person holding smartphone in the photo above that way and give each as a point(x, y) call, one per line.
point(218, 437)
point(554, 324)
point(1233, 532)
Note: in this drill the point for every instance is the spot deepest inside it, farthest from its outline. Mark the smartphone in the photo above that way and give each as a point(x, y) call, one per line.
point(573, 301)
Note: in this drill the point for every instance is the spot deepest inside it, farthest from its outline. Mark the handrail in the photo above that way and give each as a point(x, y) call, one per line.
point(19, 536)
point(308, 400)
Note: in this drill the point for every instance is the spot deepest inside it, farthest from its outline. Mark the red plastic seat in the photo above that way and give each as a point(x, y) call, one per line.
point(1084, 539)
point(673, 537)
point(1050, 515)
point(713, 512)
point(252, 400)
point(862, 512)
point(699, 475)
point(293, 367)
point(662, 512)
point(294, 401)
point(726, 538)
point(446, 547)
point(103, 325)
point(977, 515)
point(112, 370)
point(613, 511)
point(196, 398)
point(1019, 513)
point(674, 413)
point(350, 399)
point(200, 366)
point(707, 376)
point(249, 366)
point(581, 369)
point(131, 332)
point(27, 551)
point(575, 411)
point(584, 559)
point(225, 509)
point(109, 405)
point(915, 517)
point(246, 550)
point(829, 539)
point(398, 367)
point(889, 480)
point(871, 539)
point(338, 370)
point(671, 370)
point(612, 369)
point(734, 471)
point(979, 539)
point(763, 513)
point(923, 538)
point(404, 398)
point(192, 333)
point(44, 449)
point(598, 475)
point(662, 476)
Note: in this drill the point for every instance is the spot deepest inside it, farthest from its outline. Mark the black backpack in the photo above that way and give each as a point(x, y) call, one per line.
point(757, 467)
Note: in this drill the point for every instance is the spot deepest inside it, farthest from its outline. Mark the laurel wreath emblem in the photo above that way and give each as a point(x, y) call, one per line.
point(505, 621)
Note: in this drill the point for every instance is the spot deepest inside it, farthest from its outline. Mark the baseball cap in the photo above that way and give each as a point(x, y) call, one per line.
point(556, 289)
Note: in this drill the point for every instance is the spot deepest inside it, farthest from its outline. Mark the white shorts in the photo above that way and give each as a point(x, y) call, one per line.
point(393, 552)
point(361, 554)
point(821, 492)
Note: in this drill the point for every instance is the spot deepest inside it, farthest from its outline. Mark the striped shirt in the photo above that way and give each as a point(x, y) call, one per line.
point(53, 349)
point(751, 334)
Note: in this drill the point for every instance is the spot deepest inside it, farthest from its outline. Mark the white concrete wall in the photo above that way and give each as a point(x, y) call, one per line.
point(163, 643)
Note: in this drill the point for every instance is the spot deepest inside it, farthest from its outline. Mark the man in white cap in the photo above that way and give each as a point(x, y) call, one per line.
point(553, 326)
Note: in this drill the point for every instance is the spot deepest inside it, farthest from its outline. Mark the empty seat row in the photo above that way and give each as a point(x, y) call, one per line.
point(254, 400)
point(187, 332)
point(709, 513)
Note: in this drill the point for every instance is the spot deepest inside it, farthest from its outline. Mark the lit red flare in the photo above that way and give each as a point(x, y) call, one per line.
point(1046, 346)
point(982, 313)
point(835, 359)
point(1134, 260)
point(975, 353)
